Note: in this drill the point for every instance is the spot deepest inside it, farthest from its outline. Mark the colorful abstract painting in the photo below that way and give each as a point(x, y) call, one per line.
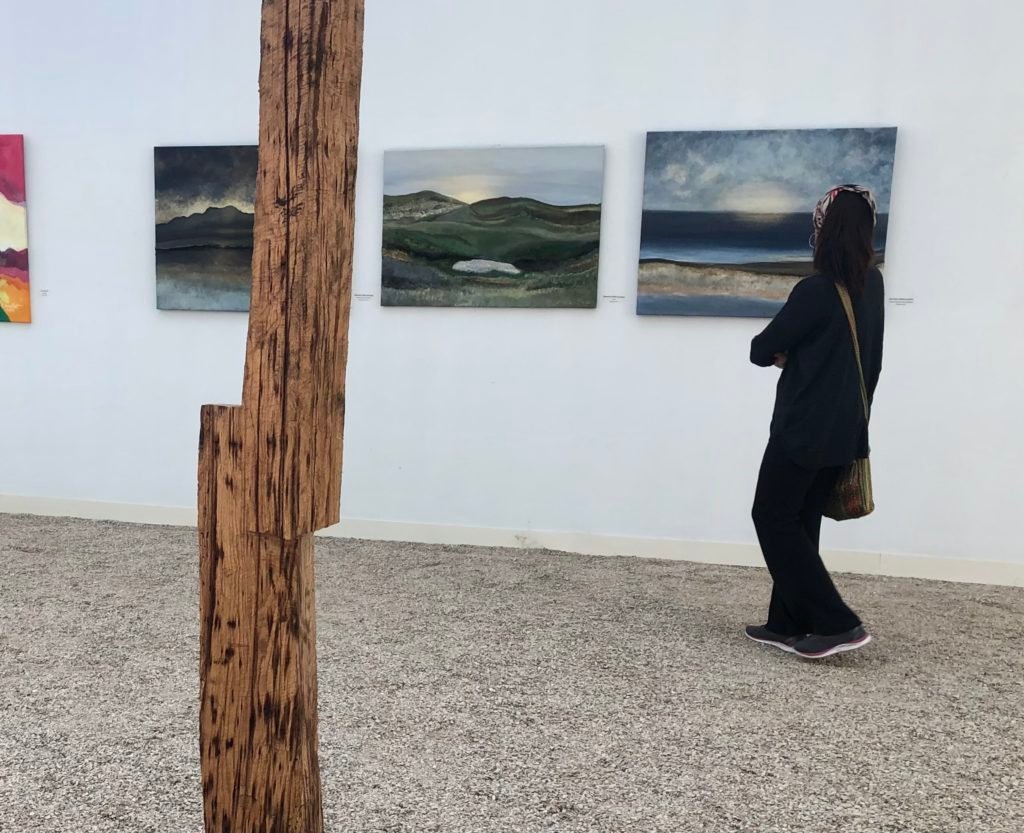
point(15, 299)
point(205, 208)
point(503, 227)
point(727, 215)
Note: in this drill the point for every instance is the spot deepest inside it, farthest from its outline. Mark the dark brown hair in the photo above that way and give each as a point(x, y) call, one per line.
point(845, 248)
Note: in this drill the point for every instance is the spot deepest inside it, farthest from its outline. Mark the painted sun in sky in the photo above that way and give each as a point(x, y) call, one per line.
point(764, 171)
point(553, 175)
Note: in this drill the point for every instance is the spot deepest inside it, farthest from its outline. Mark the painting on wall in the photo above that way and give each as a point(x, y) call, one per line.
point(15, 297)
point(727, 215)
point(504, 227)
point(205, 207)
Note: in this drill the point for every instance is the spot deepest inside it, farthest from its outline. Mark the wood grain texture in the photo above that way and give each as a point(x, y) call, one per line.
point(270, 470)
point(258, 727)
point(302, 262)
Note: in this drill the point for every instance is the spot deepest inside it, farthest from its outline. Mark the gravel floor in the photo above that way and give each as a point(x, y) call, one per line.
point(467, 689)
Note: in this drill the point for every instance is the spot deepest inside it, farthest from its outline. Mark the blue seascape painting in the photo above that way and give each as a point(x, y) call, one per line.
point(727, 214)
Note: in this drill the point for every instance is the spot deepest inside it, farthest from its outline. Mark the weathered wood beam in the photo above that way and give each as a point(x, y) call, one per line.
point(270, 470)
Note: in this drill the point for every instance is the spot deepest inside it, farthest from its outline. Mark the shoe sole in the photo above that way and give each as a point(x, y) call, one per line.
point(838, 649)
point(781, 646)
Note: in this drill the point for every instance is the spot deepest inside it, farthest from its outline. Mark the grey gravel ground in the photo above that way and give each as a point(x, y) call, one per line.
point(470, 689)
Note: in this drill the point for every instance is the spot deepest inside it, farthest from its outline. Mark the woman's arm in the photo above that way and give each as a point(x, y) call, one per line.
point(876, 370)
point(800, 315)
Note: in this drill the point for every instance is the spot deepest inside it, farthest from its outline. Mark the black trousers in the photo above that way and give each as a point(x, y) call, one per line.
point(788, 507)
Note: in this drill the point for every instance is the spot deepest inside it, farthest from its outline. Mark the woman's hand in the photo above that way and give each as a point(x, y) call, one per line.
point(781, 359)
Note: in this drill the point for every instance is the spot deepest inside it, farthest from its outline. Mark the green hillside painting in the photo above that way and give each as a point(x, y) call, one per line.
point(506, 227)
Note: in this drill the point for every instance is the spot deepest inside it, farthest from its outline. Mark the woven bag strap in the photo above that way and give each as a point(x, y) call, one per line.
point(844, 296)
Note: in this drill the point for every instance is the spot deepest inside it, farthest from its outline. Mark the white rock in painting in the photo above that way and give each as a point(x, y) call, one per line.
point(485, 267)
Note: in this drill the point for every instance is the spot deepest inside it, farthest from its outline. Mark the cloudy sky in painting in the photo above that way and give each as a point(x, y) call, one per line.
point(191, 179)
point(557, 176)
point(773, 171)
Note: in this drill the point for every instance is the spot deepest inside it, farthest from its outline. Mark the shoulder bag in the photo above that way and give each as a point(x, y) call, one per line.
point(852, 496)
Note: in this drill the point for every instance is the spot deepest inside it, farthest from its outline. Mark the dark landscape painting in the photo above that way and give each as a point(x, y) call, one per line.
point(727, 215)
point(205, 204)
point(506, 227)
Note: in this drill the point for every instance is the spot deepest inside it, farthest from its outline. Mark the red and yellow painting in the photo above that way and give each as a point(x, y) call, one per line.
point(14, 293)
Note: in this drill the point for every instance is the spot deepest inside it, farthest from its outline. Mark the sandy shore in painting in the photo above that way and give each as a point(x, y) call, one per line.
point(767, 281)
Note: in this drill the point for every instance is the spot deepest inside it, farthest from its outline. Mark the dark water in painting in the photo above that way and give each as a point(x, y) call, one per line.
point(204, 278)
point(724, 238)
point(707, 305)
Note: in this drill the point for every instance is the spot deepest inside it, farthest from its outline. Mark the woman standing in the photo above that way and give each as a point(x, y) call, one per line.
point(819, 425)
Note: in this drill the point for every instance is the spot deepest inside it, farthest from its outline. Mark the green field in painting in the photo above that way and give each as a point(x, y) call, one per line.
point(553, 248)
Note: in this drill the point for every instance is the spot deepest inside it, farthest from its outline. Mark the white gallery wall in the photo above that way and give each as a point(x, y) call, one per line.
point(593, 422)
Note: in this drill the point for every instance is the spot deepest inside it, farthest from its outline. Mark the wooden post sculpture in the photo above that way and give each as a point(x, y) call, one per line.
point(270, 470)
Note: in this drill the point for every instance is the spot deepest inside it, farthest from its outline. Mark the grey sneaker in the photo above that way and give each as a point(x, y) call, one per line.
point(813, 646)
point(761, 634)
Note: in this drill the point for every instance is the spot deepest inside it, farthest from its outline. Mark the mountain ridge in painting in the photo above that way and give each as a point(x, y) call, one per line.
point(500, 245)
point(226, 227)
point(418, 206)
point(14, 259)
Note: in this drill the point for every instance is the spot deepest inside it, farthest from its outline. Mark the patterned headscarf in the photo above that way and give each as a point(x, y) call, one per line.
point(825, 203)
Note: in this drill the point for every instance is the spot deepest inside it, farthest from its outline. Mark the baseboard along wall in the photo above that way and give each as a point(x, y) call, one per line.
point(707, 552)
